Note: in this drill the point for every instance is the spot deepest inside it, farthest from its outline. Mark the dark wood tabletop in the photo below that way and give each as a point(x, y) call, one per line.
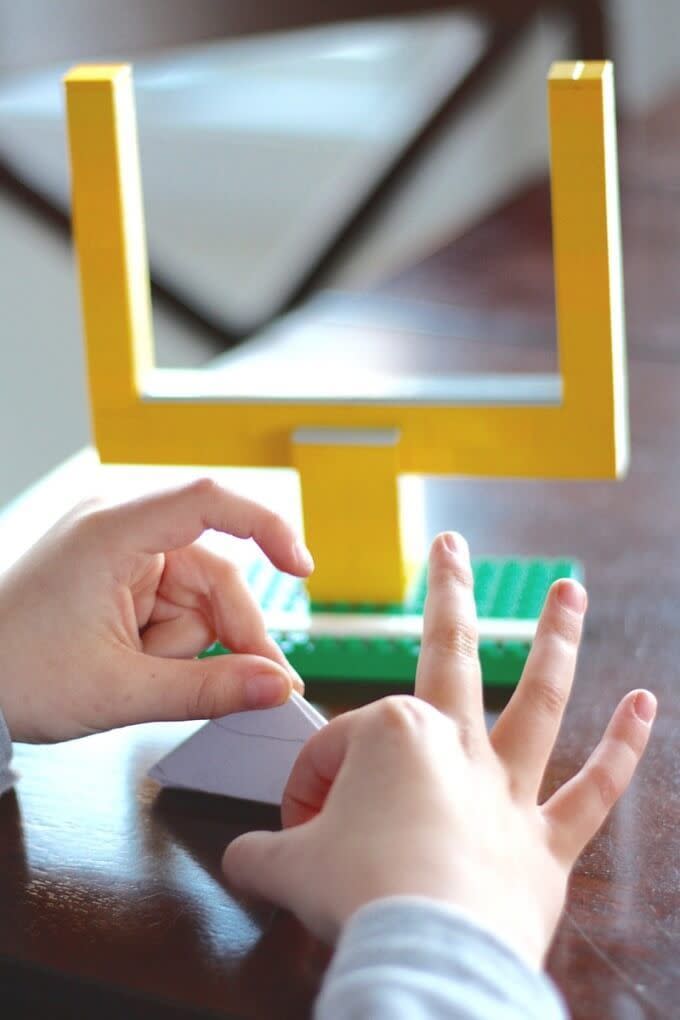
point(111, 900)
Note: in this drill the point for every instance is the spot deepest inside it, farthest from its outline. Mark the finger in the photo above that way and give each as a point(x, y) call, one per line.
point(177, 517)
point(156, 689)
point(264, 864)
point(449, 673)
point(525, 734)
point(579, 808)
point(236, 614)
point(203, 597)
point(181, 637)
point(197, 579)
point(188, 634)
point(315, 770)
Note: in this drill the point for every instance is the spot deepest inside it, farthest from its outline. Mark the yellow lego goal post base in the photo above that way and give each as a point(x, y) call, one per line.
point(352, 514)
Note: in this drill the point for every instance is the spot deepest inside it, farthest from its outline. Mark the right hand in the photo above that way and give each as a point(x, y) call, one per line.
point(410, 795)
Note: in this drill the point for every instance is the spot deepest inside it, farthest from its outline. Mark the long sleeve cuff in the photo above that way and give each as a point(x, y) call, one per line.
point(7, 776)
point(410, 957)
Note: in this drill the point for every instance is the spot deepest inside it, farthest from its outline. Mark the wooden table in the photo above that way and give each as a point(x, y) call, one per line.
point(111, 899)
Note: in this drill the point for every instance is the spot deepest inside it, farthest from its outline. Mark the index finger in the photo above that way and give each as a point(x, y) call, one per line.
point(315, 769)
point(177, 517)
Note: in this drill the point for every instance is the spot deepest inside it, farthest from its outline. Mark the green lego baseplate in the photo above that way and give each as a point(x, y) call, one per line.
point(504, 589)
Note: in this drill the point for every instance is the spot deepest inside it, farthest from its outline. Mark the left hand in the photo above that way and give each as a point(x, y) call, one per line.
point(101, 620)
point(410, 796)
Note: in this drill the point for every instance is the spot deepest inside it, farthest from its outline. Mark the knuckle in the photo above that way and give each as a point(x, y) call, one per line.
point(90, 521)
point(566, 629)
point(204, 488)
point(550, 696)
point(272, 525)
point(635, 740)
point(401, 714)
point(605, 785)
point(456, 639)
point(452, 572)
point(88, 506)
point(460, 573)
point(204, 700)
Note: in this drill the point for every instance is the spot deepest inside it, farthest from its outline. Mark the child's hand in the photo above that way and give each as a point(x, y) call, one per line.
point(98, 620)
point(410, 795)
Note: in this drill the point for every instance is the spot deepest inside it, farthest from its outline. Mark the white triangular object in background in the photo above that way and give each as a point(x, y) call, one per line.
point(248, 755)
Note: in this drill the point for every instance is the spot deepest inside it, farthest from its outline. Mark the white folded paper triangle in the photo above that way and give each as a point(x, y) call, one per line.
point(248, 755)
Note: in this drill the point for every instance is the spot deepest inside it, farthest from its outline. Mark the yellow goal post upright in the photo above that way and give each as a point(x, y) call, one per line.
point(352, 447)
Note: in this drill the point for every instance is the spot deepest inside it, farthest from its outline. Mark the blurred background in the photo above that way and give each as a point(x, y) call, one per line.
point(295, 165)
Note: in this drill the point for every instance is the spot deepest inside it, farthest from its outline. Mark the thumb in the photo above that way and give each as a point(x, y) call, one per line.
point(262, 864)
point(156, 689)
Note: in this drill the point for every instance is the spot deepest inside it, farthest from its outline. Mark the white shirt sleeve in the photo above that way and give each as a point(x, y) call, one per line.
point(411, 958)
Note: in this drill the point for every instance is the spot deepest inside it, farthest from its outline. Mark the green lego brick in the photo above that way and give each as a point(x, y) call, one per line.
point(504, 589)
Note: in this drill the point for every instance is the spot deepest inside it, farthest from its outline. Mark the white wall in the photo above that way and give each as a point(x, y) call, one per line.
point(645, 36)
point(43, 403)
point(35, 32)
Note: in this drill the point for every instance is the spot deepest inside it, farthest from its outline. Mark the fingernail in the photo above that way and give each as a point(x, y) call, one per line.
point(572, 595)
point(455, 543)
point(267, 690)
point(303, 556)
point(645, 706)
